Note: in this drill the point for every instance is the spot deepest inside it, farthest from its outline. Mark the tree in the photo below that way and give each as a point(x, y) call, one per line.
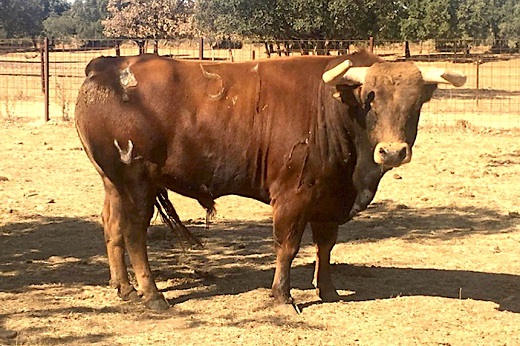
point(253, 19)
point(302, 19)
point(83, 20)
point(60, 26)
point(425, 20)
point(385, 18)
point(89, 15)
point(474, 18)
point(24, 18)
point(19, 18)
point(510, 25)
point(153, 19)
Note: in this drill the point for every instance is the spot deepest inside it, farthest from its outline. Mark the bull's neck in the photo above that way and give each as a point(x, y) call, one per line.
point(330, 135)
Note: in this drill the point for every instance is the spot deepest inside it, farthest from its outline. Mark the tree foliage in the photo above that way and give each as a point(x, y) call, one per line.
point(148, 18)
point(83, 20)
point(510, 25)
point(346, 19)
point(302, 19)
point(265, 19)
point(24, 18)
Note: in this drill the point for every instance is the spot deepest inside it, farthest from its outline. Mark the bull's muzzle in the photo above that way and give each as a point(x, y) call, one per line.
point(392, 154)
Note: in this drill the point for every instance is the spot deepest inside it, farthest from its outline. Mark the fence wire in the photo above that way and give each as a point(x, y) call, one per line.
point(490, 98)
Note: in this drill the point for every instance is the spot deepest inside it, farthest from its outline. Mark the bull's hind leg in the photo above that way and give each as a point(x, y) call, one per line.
point(131, 208)
point(115, 244)
point(324, 236)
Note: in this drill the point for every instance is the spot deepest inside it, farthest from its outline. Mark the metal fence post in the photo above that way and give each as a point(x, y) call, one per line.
point(477, 82)
point(42, 66)
point(46, 76)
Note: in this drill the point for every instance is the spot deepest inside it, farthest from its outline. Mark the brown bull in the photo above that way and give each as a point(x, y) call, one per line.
point(312, 136)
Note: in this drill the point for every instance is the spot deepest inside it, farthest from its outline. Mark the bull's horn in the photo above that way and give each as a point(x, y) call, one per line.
point(442, 76)
point(330, 75)
point(344, 73)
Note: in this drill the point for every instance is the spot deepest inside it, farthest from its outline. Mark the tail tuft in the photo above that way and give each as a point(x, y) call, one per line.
point(171, 218)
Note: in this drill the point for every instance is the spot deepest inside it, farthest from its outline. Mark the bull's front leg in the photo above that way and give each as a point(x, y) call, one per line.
point(288, 231)
point(324, 236)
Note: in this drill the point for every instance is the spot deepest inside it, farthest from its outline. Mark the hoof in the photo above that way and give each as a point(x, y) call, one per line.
point(158, 305)
point(281, 298)
point(287, 309)
point(328, 295)
point(129, 294)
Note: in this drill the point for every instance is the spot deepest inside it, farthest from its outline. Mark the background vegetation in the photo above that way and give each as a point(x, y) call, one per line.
point(412, 20)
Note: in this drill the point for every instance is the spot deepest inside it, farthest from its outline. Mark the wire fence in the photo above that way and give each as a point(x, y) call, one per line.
point(40, 81)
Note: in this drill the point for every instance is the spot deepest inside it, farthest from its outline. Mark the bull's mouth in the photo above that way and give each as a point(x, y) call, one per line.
point(392, 154)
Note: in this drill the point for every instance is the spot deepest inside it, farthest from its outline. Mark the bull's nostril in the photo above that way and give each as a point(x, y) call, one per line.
point(402, 154)
point(382, 151)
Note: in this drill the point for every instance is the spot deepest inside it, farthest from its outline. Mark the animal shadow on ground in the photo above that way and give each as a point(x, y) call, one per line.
point(245, 258)
point(238, 257)
point(55, 250)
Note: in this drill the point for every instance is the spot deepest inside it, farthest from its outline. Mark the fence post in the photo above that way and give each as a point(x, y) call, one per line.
point(371, 44)
point(42, 65)
point(477, 82)
point(46, 76)
point(201, 49)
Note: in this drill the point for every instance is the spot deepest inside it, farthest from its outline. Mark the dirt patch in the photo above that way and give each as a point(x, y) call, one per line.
point(434, 261)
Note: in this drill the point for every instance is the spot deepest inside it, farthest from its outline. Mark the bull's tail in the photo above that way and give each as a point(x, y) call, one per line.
point(171, 218)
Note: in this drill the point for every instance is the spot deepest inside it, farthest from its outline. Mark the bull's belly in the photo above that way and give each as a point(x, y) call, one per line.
point(206, 192)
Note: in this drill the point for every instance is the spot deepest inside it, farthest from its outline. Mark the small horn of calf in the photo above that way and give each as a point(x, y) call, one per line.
point(345, 74)
point(442, 76)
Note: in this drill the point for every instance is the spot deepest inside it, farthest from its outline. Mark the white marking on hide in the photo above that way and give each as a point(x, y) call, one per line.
point(127, 78)
point(125, 155)
point(214, 76)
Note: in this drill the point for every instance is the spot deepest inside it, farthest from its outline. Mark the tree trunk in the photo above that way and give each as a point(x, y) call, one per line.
point(118, 48)
point(407, 54)
point(267, 49)
point(141, 44)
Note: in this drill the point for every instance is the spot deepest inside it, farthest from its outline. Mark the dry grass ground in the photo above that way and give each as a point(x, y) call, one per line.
point(434, 261)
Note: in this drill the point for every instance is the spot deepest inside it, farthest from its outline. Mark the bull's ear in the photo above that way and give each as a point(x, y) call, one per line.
point(349, 95)
point(427, 92)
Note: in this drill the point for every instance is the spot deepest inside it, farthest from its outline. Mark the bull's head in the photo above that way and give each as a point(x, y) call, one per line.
point(387, 98)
